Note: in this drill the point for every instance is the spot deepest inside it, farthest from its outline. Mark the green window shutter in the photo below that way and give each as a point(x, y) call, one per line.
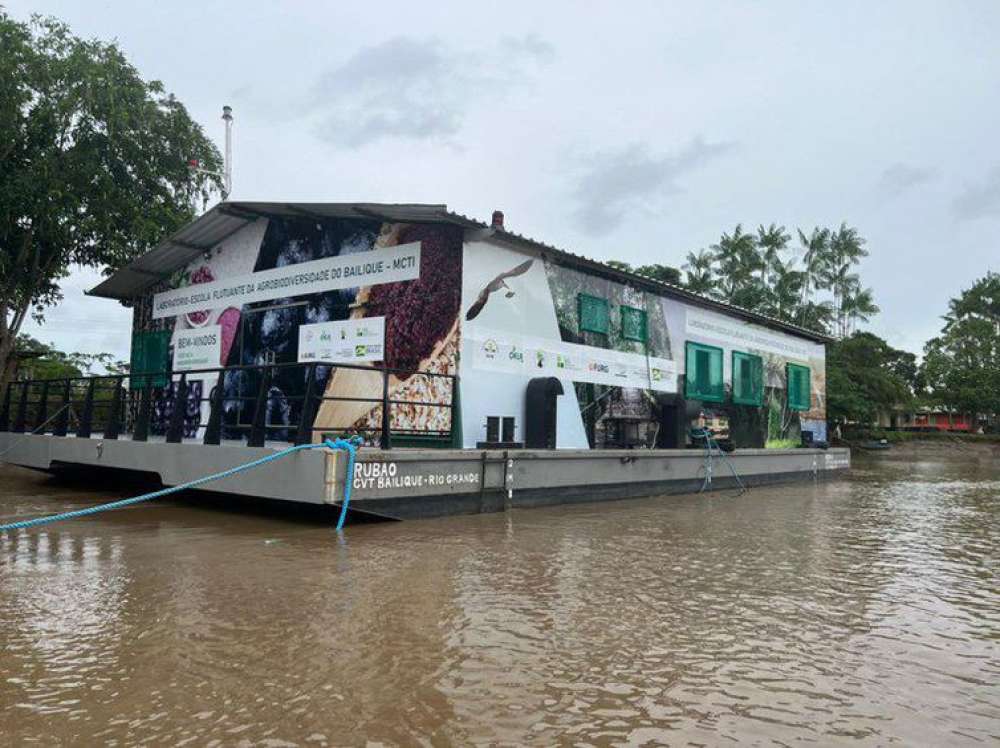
point(703, 373)
point(150, 355)
point(748, 379)
point(137, 359)
point(633, 324)
point(799, 387)
point(593, 313)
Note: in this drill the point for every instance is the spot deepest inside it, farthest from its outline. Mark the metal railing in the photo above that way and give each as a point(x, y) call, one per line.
point(171, 404)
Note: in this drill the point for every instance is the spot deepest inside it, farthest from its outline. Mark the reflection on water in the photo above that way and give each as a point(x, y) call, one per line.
point(863, 610)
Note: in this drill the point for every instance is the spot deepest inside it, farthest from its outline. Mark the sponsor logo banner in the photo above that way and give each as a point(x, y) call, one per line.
point(198, 349)
point(518, 354)
point(386, 265)
point(343, 341)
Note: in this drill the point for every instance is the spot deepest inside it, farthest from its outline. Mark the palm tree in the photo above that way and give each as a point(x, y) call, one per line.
point(738, 260)
point(842, 282)
point(815, 316)
point(700, 270)
point(847, 245)
point(815, 258)
point(845, 251)
point(785, 291)
point(858, 305)
point(771, 242)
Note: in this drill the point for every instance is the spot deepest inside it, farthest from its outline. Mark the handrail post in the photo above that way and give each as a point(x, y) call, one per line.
point(43, 409)
point(140, 433)
point(5, 413)
point(62, 421)
point(85, 426)
point(385, 439)
point(175, 427)
point(455, 414)
point(213, 429)
point(258, 429)
point(21, 422)
point(114, 425)
point(304, 433)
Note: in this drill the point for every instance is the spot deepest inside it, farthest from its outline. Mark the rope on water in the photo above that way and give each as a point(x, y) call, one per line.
point(348, 445)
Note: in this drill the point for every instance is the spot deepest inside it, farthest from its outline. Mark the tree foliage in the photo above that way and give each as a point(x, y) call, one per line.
point(962, 365)
point(40, 360)
point(94, 164)
point(816, 287)
point(865, 376)
point(663, 273)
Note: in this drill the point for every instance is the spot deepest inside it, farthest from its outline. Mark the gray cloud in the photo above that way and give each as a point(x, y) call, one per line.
point(981, 200)
point(617, 182)
point(900, 178)
point(416, 88)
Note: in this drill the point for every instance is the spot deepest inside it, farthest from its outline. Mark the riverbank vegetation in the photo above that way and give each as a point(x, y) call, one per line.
point(812, 280)
point(961, 367)
point(37, 360)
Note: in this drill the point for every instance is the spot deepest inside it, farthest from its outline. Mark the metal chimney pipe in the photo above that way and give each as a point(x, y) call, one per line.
point(227, 173)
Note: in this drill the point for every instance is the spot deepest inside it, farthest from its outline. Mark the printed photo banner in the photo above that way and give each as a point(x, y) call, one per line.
point(343, 341)
point(527, 356)
point(198, 349)
point(746, 336)
point(386, 265)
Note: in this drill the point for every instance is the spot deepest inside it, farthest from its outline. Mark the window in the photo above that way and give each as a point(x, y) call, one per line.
point(799, 387)
point(748, 379)
point(703, 373)
point(150, 354)
point(593, 313)
point(633, 324)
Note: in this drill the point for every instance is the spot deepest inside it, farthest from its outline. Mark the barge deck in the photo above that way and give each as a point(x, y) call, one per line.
point(410, 483)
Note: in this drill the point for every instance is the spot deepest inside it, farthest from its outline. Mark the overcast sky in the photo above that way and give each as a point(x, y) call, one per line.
point(631, 131)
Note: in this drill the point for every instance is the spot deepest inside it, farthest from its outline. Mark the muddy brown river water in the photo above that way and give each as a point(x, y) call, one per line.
point(864, 611)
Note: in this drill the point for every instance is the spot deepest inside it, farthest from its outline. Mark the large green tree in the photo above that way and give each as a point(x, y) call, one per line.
point(962, 365)
point(94, 165)
point(865, 376)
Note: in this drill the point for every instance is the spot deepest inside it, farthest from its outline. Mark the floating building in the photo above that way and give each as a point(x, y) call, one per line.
point(476, 363)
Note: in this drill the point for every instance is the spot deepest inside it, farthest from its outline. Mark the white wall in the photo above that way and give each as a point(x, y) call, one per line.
point(528, 311)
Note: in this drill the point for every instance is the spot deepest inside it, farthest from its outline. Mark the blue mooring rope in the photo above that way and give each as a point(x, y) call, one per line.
point(710, 444)
point(348, 445)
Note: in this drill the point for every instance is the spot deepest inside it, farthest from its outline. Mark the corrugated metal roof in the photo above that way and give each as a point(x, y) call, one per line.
point(225, 219)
